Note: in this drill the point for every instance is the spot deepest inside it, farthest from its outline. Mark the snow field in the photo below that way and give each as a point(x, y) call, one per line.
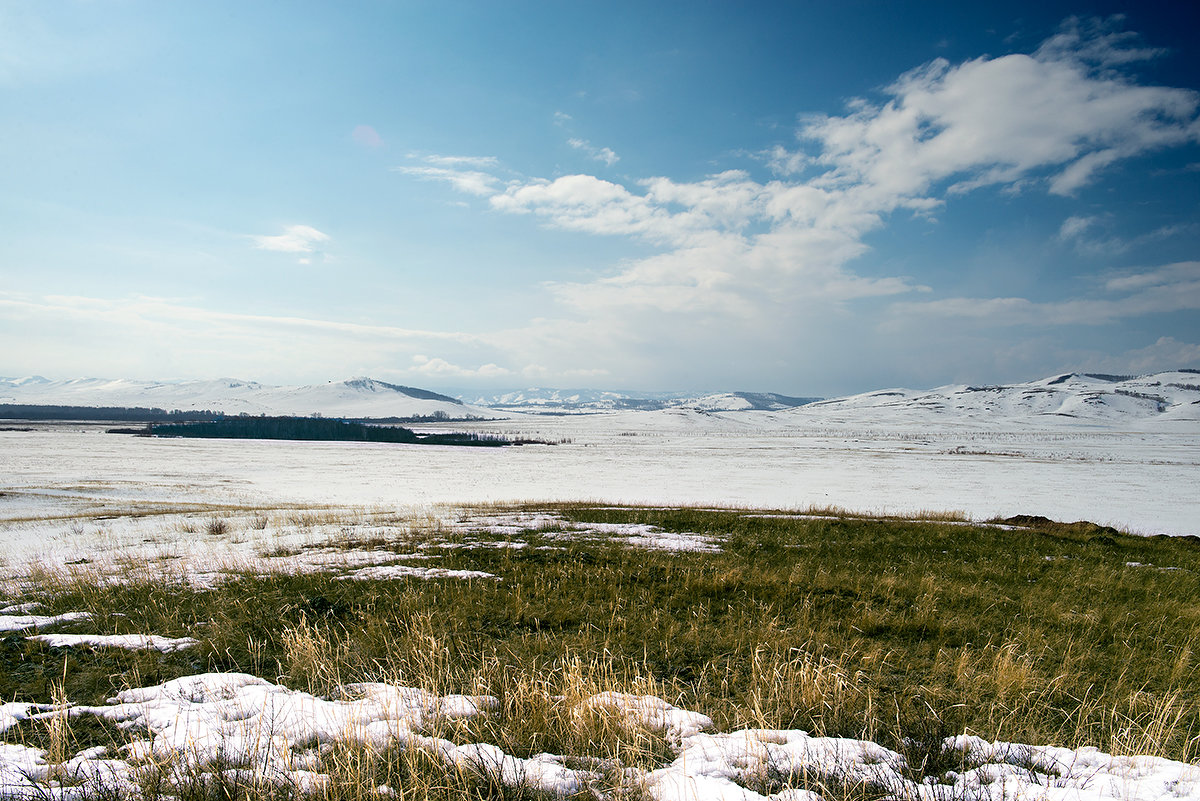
point(1140, 481)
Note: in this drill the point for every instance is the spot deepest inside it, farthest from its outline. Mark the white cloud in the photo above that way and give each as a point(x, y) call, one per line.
point(1074, 227)
point(158, 337)
point(480, 162)
point(471, 182)
point(1053, 117)
point(1165, 289)
point(1046, 116)
point(1095, 42)
point(760, 256)
point(1085, 235)
point(1090, 236)
point(603, 154)
point(464, 173)
point(294, 239)
point(587, 203)
point(785, 162)
point(1167, 353)
point(1183, 275)
point(440, 368)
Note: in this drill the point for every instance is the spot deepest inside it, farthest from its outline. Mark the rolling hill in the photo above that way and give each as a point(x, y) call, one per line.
point(353, 398)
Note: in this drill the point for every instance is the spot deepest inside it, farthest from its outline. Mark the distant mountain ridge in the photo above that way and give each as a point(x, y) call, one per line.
point(1168, 398)
point(574, 401)
point(354, 398)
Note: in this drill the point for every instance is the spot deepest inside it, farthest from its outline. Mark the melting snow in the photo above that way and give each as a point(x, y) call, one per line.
point(23, 622)
point(132, 642)
point(408, 571)
point(202, 723)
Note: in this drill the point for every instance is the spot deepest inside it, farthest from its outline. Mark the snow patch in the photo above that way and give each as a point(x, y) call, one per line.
point(202, 724)
point(130, 642)
point(23, 622)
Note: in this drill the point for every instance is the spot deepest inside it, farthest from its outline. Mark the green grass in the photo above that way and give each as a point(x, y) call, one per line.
point(902, 632)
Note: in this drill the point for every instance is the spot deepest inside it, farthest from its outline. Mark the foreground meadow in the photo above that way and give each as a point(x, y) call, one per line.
point(606, 652)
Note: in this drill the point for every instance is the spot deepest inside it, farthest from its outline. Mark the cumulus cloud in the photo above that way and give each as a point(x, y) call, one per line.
point(734, 250)
point(294, 239)
point(587, 203)
point(1055, 118)
point(785, 162)
point(1043, 117)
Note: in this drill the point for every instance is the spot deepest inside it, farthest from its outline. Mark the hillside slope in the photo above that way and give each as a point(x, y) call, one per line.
point(1073, 399)
point(356, 397)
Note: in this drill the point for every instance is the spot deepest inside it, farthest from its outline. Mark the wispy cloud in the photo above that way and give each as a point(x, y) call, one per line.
point(603, 154)
point(1161, 290)
point(1097, 42)
point(464, 173)
point(1086, 234)
point(480, 162)
point(1091, 235)
point(471, 182)
point(1074, 227)
point(301, 239)
point(193, 340)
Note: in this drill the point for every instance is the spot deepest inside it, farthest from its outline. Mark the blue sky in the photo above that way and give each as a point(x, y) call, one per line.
point(814, 198)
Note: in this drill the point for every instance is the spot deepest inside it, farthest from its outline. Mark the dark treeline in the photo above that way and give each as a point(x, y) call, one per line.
point(314, 428)
point(134, 414)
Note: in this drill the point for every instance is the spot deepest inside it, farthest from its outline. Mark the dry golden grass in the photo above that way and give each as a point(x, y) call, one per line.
point(895, 631)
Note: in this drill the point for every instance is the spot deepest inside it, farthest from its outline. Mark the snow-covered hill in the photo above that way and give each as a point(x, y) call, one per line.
point(356, 397)
point(1170, 399)
point(1072, 399)
point(745, 402)
point(542, 400)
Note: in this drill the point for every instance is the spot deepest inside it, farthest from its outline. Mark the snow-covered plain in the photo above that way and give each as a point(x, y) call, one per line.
point(1144, 481)
point(71, 491)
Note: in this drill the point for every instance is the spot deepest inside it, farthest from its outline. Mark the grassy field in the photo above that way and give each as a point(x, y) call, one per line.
point(902, 632)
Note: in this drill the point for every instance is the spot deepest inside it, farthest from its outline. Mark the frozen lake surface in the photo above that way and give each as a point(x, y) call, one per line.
point(1142, 481)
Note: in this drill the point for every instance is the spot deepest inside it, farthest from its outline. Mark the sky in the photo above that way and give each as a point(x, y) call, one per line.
point(808, 197)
